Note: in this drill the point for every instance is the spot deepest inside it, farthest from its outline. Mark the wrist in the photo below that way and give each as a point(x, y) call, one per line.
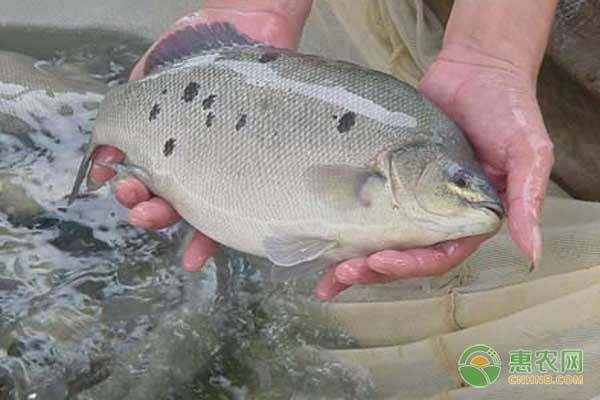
point(467, 56)
point(508, 33)
point(460, 74)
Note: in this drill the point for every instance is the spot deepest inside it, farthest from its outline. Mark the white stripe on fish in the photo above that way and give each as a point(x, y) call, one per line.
point(258, 74)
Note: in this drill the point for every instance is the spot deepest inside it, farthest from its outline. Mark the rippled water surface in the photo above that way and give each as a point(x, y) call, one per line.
point(93, 308)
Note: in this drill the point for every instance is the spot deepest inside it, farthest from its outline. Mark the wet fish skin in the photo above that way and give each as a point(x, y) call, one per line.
point(298, 158)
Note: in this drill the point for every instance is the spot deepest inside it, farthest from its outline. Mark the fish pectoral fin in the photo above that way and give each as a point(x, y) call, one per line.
point(291, 251)
point(343, 185)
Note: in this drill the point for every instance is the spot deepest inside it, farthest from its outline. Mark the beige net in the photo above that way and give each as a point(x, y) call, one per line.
point(410, 334)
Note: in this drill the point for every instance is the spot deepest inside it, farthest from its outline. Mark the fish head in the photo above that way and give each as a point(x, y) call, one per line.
point(449, 190)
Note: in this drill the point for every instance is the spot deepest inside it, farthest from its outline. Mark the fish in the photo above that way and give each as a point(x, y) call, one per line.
point(293, 157)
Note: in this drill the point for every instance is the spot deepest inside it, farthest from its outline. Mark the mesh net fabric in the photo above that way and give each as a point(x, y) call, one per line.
point(399, 37)
point(411, 333)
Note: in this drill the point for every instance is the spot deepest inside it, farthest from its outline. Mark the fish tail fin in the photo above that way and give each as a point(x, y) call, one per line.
point(82, 172)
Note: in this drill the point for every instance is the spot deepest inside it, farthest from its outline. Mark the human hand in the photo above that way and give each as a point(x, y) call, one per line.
point(485, 79)
point(275, 23)
point(494, 102)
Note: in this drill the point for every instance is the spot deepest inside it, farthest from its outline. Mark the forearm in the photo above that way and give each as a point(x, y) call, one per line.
point(514, 32)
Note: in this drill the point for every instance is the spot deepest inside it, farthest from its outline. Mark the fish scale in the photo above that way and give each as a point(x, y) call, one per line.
point(279, 154)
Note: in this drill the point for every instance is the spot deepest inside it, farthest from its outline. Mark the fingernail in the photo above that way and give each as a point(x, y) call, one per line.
point(448, 248)
point(193, 264)
point(321, 295)
point(125, 196)
point(139, 217)
point(324, 293)
point(536, 246)
point(385, 264)
point(535, 213)
point(347, 273)
point(193, 260)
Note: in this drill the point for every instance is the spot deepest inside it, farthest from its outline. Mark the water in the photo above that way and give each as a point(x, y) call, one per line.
point(93, 308)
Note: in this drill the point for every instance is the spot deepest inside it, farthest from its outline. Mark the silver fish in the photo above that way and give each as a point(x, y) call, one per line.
point(297, 158)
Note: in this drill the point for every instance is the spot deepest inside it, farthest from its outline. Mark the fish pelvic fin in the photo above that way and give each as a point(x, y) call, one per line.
point(190, 40)
point(288, 251)
point(82, 173)
point(278, 274)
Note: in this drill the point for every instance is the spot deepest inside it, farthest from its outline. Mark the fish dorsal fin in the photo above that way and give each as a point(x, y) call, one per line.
point(343, 185)
point(288, 251)
point(194, 40)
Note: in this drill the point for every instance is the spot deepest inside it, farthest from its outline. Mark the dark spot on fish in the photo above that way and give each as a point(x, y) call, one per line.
point(241, 122)
point(346, 122)
point(164, 91)
point(209, 119)
point(208, 102)
point(268, 57)
point(191, 40)
point(190, 92)
point(169, 147)
point(335, 117)
point(154, 112)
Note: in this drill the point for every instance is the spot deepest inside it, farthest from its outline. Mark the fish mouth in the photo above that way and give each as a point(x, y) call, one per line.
point(492, 206)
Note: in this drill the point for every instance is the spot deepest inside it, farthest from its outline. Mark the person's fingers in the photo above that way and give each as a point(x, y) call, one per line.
point(530, 163)
point(198, 250)
point(428, 261)
point(328, 286)
point(497, 177)
point(283, 19)
point(99, 174)
point(275, 23)
point(129, 192)
point(155, 213)
point(357, 271)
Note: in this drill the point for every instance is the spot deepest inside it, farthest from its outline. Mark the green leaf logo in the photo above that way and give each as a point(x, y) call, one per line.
point(479, 365)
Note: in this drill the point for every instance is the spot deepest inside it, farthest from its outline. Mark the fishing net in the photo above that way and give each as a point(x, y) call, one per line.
point(410, 334)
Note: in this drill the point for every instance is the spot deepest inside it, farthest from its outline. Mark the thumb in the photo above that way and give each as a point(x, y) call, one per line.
point(529, 165)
